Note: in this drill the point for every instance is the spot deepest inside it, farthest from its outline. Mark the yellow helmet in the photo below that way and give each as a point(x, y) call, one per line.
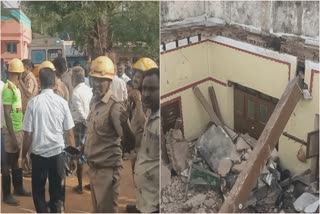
point(144, 64)
point(102, 67)
point(15, 66)
point(46, 64)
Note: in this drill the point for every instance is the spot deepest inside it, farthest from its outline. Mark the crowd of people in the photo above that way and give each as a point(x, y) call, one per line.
point(90, 116)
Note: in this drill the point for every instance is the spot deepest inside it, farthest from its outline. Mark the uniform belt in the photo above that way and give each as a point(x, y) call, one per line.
point(96, 166)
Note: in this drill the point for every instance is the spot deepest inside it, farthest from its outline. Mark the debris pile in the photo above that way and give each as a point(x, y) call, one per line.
point(207, 169)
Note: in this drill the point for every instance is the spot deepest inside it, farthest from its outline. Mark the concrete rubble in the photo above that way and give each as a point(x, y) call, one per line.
point(213, 164)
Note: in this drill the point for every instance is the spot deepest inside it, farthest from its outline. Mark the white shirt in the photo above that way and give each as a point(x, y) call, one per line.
point(47, 116)
point(125, 78)
point(1, 106)
point(119, 89)
point(80, 102)
point(87, 81)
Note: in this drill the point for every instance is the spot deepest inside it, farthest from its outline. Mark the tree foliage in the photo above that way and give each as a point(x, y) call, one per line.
point(98, 26)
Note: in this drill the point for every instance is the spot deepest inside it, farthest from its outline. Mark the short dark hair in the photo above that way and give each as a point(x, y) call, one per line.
point(47, 77)
point(76, 63)
point(129, 83)
point(27, 63)
point(79, 74)
point(152, 71)
point(60, 64)
point(121, 63)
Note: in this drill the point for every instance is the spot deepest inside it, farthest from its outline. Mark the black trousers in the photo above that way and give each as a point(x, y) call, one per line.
point(53, 169)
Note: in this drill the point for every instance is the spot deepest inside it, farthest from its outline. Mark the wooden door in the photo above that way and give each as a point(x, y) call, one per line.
point(169, 113)
point(252, 110)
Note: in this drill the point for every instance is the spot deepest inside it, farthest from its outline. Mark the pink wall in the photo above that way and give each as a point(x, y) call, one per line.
point(16, 32)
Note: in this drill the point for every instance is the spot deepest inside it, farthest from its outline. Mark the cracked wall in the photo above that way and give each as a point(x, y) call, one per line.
point(276, 17)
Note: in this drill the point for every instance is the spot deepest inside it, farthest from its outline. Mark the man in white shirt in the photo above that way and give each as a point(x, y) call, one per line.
point(80, 102)
point(121, 67)
point(46, 120)
point(119, 89)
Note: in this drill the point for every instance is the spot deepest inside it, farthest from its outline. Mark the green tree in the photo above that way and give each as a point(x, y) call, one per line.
point(98, 26)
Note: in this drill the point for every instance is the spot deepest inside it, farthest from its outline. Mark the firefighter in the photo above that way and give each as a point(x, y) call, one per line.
point(135, 109)
point(13, 133)
point(146, 175)
point(105, 130)
point(60, 88)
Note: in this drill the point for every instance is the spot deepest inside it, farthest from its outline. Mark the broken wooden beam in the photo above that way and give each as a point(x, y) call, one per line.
point(213, 116)
point(295, 138)
point(268, 139)
point(214, 102)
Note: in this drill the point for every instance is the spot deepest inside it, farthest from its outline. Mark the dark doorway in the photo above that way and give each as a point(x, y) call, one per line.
point(170, 111)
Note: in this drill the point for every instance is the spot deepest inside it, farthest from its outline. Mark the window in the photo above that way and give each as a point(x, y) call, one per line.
point(38, 56)
point(54, 53)
point(11, 47)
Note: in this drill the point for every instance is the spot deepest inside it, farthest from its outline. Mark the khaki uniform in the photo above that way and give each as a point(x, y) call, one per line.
point(31, 84)
point(66, 78)
point(61, 89)
point(104, 153)
point(147, 166)
point(137, 124)
point(7, 138)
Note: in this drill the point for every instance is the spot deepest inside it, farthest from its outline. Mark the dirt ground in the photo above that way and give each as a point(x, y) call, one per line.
point(76, 203)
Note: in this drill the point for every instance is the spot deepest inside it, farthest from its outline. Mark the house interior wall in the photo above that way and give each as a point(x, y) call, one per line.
point(213, 63)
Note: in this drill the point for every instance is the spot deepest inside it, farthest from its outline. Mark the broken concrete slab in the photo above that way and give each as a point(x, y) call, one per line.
point(304, 201)
point(237, 168)
point(165, 175)
point(312, 208)
point(235, 156)
point(215, 145)
point(195, 201)
point(209, 203)
point(242, 144)
point(250, 140)
point(224, 167)
point(232, 133)
point(177, 150)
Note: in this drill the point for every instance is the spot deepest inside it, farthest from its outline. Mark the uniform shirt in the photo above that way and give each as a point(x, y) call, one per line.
point(61, 89)
point(80, 102)
point(11, 95)
point(119, 89)
point(47, 117)
point(66, 78)
point(31, 84)
point(103, 148)
point(137, 122)
point(147, 166)
point(125, 78)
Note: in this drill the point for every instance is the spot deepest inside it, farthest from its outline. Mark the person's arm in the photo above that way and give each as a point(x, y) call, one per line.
point(28, 131)
point(120, 121)
point(26, 91)
point(27, 141)
point(7, 110)
point(68, 124)
point(70, 135)
point(136, 95)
